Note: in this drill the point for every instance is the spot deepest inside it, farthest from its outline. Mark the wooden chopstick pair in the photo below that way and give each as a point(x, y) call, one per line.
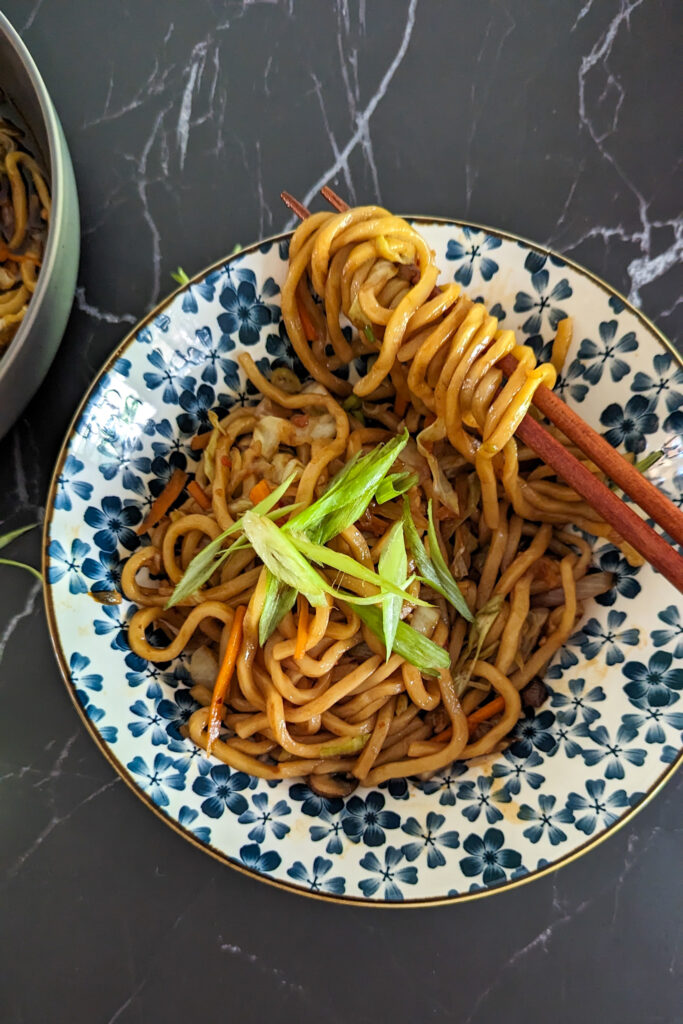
point(654, 548)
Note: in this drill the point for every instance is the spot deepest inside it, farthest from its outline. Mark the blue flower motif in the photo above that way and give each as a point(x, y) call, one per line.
point(487, 856)
point(315, 880)
point(186, 816)
point(606, 353)
point(154, 674)
point(534, 730)
point(161, 776)
point(667, 380)
point(246, 313)
point(311, 803)
point(222, 788)
point(113, 523)
point(67, 485)
point(474, 251)
point(544, 302)
point(173, 450)
point(331, 830)
point(514, 769)
point(177, 711)
point(397, 788)
point(545, 818)
point(197, 406)
point(116, 622)
point(70, 565)
point(146, 718)
point(578, 703)
point(479, 793)
point(613, 752)
point(611, 560)
point(628, 426)
point(660, 637)
point(652, 717)
point(169, 372)
point(598, 808)
point(656, 681)
point(263, 817)
point(446, 782)
point(77, 665)
point(119, 456)
point(105, 572)
point(429, 837)
point(200, 290)
point(263, 863)
point(568, 735)
point(563, 660)
point(594, 637)
point(388, 875)
point(568, 383)
point(109, 733)
point(366, 820)
point(279, 348)
point(213, 356)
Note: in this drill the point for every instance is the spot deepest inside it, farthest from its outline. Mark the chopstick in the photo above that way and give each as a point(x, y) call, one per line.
point(634, 530)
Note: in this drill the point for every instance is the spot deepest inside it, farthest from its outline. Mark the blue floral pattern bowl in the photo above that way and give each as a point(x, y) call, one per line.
point(610, 732)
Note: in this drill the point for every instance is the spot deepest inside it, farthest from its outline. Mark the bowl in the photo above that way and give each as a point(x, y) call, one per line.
point(606, 739)
point(28, 357)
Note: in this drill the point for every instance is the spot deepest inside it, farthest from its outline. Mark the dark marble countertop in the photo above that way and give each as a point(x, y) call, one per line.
point(185, 120)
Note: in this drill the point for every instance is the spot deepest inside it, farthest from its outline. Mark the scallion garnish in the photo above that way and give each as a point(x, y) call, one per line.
point(394, 485)
point(180, 276)
point(432, 568)
point(393, 565)
point(419, 650)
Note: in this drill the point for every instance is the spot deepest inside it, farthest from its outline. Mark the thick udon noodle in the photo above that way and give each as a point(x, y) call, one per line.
point(24, 217)
point(429, 361)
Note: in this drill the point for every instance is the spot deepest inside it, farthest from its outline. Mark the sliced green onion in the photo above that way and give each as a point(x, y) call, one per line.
point(180, 276)
point(345, 563)
point(203, 565)
point(481, 624)
point(282, 557)
point(278, 601)
point(393, 565)
point(349, 493)
point(394, 485)
point(415, 648)
point(344, 745)
point(370, 334)
point(433, 570)
point(7, 538)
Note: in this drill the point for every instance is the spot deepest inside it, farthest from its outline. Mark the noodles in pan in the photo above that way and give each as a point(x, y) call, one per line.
point(24, 217)
point(368, 573)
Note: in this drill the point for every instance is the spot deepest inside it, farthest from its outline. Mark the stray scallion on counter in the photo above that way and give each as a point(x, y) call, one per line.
point(7, 538)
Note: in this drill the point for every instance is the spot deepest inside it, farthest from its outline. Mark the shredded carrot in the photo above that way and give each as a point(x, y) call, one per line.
point(259, 491)
point(161, 505)
point(302, 628)
point(200, 496)
point(200, 441)
point(487, 711)
point(220, 687)
point(225, 461)
point(309, 329)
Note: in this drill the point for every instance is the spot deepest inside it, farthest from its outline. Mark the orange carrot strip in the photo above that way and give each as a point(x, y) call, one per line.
point(220, 687)
point(301, 629)
point(259, 491)
point(200, 441)
point(200, 496)
point(18, 257)
point(309, 329)
point(161, 505)
point(487, 711)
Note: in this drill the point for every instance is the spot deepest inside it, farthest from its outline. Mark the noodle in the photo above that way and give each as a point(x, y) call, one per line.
point(24, 216)
point(319, 697)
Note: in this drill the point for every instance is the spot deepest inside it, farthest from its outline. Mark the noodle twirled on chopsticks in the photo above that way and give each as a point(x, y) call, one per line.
point(366, 575)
